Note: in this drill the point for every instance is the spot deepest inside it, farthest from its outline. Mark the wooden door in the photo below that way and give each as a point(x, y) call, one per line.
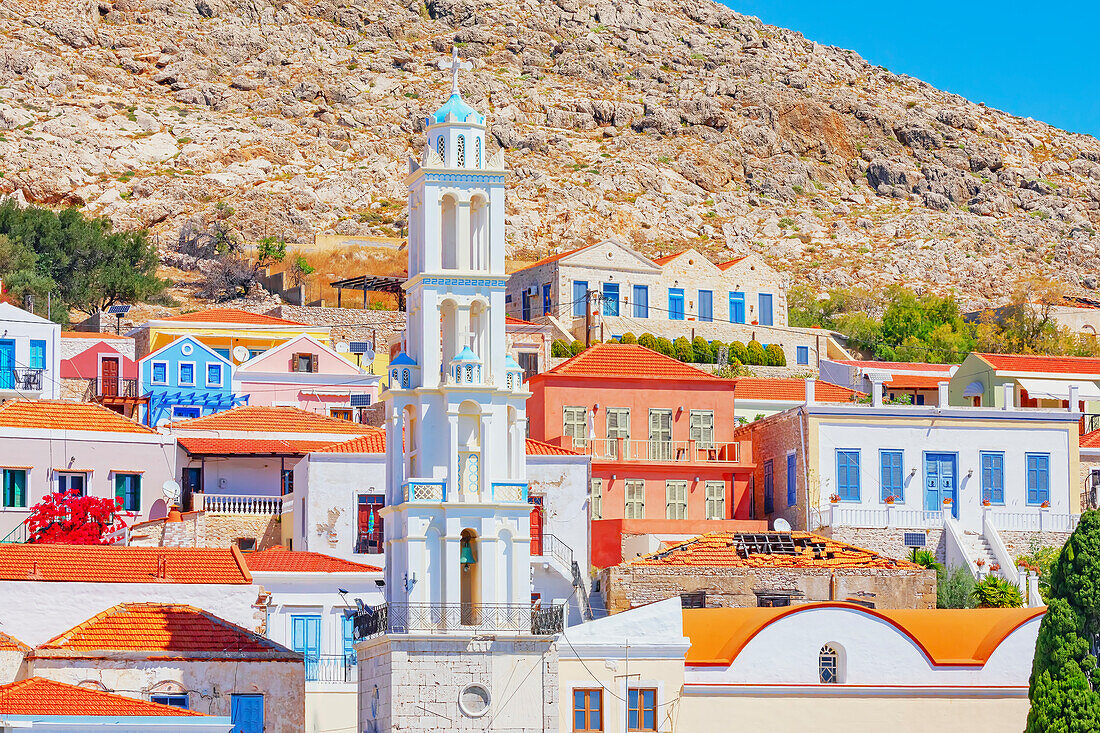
point(536, 525)
point(108, 377)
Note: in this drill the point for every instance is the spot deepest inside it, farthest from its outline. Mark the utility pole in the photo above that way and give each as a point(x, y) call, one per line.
point(588, 318)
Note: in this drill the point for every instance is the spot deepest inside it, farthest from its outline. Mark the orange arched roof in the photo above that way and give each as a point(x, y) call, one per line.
point(948, 637)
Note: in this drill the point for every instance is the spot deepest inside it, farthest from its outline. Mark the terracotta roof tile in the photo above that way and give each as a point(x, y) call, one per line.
point(280, 559)
point(552, 258)
point(121, 564)
point(231, 315)
point(255, 418)
point(159, 627)
point(9, 643)
point(667, 258)
point(758, 388)
point(903, 366)
point(730, 263)
point(916, 381)
point(538, 448)
point(628, 361)
point(94, 335)
point(1044, 364)
point(1091, 440)
point(249, 446)
point(510, 321)
point(38, 696)
point(61, 415)
point(376, 443)
point(721, 549)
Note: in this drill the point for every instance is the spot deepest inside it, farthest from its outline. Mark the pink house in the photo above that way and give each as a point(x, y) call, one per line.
point(101, 373)
point(305, 373)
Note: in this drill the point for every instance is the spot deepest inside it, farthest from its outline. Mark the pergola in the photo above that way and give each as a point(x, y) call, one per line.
point(376, 283)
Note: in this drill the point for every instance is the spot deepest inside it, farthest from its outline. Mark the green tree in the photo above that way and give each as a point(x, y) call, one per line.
point(954, 587)
point(299, 269)
point(716, 347)
point(774, 356)
point(702, 350)
point(559, 349)
point(628, 338)
point(993, 591)
point(270, 250)
point(683, 350)
point(1064, 676)
point(755, 352)
point(576, 347)
point(664, 346)
point(647, 340)
point(738, 352)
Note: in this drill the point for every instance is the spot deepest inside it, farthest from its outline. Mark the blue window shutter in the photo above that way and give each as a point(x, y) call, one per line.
point(792, 480)
point(706, 305)
point(765, 309)
point(769, 487)
point(580, 293)
point(246, 712)
point(802, 354)
point(611, 299)
point(545, 298)
point(676, 304)
point(641, 301)
point(525, 309)
point(737, 307)
point(38, 355)
point(890, 480)
point(847, 474)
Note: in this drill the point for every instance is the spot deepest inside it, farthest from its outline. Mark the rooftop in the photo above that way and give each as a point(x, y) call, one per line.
point(915, 381)
point(903, 366)
point(628, 361)
point(1043, 365)
point(552, 258)
point(93, 335)
point(255, 418)
point(61, 415)
point(250, 446)
point(9, 643)
point(281, 560)
point(1091, 440)
point(950, 637)
point(38, 696)
point(376, 443)
point(159, 627)
point(768, 550)
point(789, 390)
point(121, 564)
point(230, 315)
point(730, 263)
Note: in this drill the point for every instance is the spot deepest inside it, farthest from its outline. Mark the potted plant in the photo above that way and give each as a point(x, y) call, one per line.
point(947, 501)
point(1045, 505)
point(986, 502)
point(891, 499)
point(834, 499)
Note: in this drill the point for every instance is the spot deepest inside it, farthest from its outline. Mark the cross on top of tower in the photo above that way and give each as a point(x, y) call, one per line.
point(455, 65)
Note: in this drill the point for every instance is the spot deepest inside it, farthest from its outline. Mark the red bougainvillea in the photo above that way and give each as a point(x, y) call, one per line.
point(67, 518)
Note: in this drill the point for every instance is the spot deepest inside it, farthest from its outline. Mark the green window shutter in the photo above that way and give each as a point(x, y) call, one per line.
point(9, 479)
point(19, 488)
point(120, 486)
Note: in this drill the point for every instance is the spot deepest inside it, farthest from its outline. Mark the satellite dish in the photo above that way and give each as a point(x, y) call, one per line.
point(342, 348)
point(172, 491)
point(368, 355)
point(240, 353)
point(781, 525)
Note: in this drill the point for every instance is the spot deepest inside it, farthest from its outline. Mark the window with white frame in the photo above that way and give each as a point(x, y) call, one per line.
point(213, 375)
point(634, 491)
point(618, 422)
point(715, 492)
point(676, 505)
point(595, 501)
point(828, 665)
point(159, 372)
point(574, 422)
point(72, 482)
point(187, 374)
point(701, 428)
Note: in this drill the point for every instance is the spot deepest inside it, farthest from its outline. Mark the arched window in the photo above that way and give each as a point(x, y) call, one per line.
point(828, 665)
point(441, 148)
point(461, 151)
point(477, 148)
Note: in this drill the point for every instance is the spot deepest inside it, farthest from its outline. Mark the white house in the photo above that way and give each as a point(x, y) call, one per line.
point(30, 354)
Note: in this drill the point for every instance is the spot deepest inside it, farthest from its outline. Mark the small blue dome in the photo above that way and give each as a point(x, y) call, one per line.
point(402, 359)
point(467, 354)
point(457, 107)
point(510, 363)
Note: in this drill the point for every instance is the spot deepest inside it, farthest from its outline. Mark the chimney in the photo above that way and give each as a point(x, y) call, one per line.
point(1073, 398)
point(943, 394)
point(1010, 396)
point(876, 390)
point(811, 390)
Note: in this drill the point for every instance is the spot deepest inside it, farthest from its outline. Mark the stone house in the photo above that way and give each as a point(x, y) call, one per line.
point(101, 370)
point(743, 569)
point(682, 294)
point(181, 656)
point(977, 485)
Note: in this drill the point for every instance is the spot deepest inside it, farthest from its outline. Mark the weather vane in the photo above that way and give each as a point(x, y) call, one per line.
point(455, 65)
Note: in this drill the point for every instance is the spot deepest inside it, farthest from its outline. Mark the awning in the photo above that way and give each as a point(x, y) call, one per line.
point(1058, 389)
point(974, 389)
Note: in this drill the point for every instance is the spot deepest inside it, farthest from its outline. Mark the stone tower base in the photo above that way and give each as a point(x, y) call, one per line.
point(427, 683)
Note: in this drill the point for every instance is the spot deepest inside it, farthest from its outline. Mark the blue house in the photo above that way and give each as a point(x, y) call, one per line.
point(186, 379)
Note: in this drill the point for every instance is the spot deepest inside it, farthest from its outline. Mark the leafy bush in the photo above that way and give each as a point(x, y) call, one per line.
point(576, 347)
point(755, 353)
point(733, 370)
point(716, 347)
point(925, 558)
point(628, 338)
point(954, 588)
point(774, 356)
point(739, 352)
point(702, 350)
point(559, 349)
point(683, 350)
point(993, 591)
point(664, 346)
point(649, 341)
point(1041, 559)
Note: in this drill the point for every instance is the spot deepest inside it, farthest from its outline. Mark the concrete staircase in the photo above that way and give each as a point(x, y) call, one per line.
point(976, 547)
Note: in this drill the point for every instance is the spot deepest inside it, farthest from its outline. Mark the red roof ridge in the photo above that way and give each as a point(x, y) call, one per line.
point(39, 696)
point(1042, 363)
point(94, 335)
point(553, 258)
point(628, 361)
point(302, 561)
point(373, 442)
point(541, 448)
point(89, 416)
point(237, 316)
point(723, 266)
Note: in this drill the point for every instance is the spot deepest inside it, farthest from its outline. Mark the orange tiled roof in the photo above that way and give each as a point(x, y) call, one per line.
point(61, 415)
point(279, 559)
point(510, 321)
point(38, 696)
point(758, 388)
point(250, 446)
point(949, 637)
point(121, 564)
point(92, 335)
point(1043, 364)
point(667, 258)
point(628, 361)
point(903, 366)
point(159, 627)
point(552, 258)
point(231, 315)
point(255, 418)
point(538, 448)
point(9, 643)
point(916, 381)
point(1091, 440)
point(373, 442)
point(720, 549)
point(730, 263)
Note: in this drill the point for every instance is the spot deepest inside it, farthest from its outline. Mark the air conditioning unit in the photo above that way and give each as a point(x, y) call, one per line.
point(533, 290)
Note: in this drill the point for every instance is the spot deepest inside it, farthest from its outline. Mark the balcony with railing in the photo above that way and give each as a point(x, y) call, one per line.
point(105, 389)
point(22, 380)
point(459, 618)
point(331, 669)
point(657, 451)
point(240, 504)
point(419, 489)
point(546, 546)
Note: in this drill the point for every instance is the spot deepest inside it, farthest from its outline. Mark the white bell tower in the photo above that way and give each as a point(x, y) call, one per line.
point(458, 522)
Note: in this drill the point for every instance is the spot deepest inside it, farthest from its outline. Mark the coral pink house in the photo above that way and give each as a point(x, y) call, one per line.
point(660, 434)
point(305, 373)
point(101, 373)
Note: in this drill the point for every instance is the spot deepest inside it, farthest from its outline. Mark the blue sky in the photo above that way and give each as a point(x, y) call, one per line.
point(1031, 59)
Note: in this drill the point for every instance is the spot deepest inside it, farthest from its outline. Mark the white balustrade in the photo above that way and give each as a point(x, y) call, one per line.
point(238, 504)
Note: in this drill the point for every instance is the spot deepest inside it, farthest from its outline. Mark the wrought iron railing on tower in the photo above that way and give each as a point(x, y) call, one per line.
point(442, 618)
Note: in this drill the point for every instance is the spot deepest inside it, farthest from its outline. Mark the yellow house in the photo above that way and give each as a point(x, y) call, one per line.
point(223, 330)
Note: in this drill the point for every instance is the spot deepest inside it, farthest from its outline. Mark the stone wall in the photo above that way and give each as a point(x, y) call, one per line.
point(414, 684)
point(629, 586)
point(348, 324)
point(772, 439)
point(1022, 543)
point(888, 541)
point(204, 529)
point(1088, 465)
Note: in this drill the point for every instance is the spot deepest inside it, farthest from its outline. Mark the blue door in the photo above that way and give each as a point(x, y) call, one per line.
point(940, 482)
point(676, 304)
point(706, 305)
point(737, 307)
point(247, 713)
point(305, 638)
point(7, 364)
point(765, 315)
point(611, 299)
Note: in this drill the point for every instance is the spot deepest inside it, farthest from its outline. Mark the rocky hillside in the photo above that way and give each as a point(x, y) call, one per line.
point(667, 122)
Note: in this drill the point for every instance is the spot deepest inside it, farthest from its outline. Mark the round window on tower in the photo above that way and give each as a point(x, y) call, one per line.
point(474, 700)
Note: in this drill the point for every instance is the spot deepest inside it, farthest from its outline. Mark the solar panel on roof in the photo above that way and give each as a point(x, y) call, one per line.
point(359, 347)
point(118, 310)
point(914, 539)
point(360, 400)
